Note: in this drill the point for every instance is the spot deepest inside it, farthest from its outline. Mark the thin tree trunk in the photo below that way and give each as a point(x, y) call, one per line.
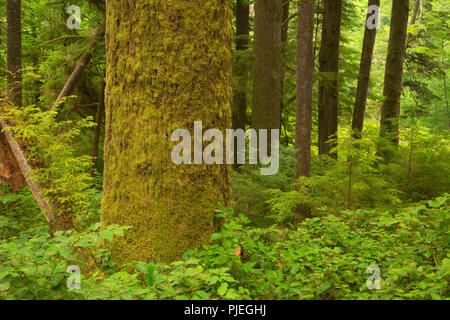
point(328, 84)
point(73, 79)
point(413, 17)
point(305, 68)
point(284, 38)
point(285, 22)
point(98, 120)
point(364, 74)
point(390, 110)
point(267, 65)
point(317, 27)
point(444, 75)
point(12, 153)
point(14, 51)
point(242, 41)
point(239, 105)
point(239, 110)
point(149, 95)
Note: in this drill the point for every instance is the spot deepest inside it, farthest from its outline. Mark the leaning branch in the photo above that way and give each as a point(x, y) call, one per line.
point(47, 208)
point(73, 79)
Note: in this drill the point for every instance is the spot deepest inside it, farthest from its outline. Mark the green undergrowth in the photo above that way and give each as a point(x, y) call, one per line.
point(325, 257)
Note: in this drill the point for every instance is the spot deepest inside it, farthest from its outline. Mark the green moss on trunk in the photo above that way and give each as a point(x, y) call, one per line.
point(168, 64)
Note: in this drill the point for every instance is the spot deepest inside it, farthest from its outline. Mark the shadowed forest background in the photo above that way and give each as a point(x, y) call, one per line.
point(86, 177)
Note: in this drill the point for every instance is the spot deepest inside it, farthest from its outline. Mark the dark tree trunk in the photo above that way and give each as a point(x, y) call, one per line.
point(390, 110)
point(444, 76)
point(14, 51)
point(364, 75)
point(98, 120)
point(242, 40)
point(284, 38)
point(328, 84)
point(267, 65)
point(305, 68)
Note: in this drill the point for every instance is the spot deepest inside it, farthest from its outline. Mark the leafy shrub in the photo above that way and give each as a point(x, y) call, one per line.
point(422, 169)
point(33, 265)
point(353, 181)
point(324, 258)
point(51, 147)
point(251, 189)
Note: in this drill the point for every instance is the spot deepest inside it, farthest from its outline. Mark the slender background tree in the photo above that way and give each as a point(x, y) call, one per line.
point(304, 89)
point(390, 110)
point(14, 50)
point(266, 112)
point(365, 67)
point(241, 72)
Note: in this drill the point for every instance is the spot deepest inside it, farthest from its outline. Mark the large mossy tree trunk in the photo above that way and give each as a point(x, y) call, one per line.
point(241, 72)
point(266, 112)
point(305, 69)
point(168, 65)
point(14, 51)
point(364, 72)
point(390, 110)
point(328, 84)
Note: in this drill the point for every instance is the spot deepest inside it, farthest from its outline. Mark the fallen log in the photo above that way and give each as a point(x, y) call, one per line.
point(9, 168)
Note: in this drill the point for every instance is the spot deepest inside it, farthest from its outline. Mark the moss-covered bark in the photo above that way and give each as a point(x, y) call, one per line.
point(267, 65)
point(239, 114)
point(168, 64)
point(329, 85)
